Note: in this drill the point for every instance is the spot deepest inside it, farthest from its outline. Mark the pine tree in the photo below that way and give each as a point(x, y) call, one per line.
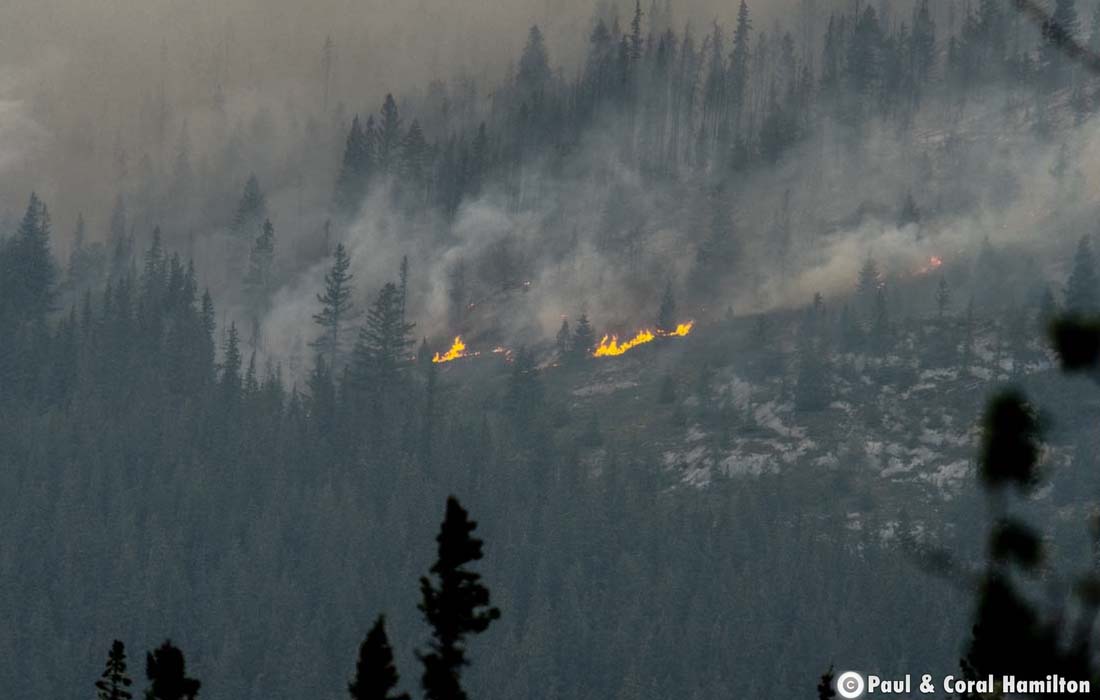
point(455, 604)
point(739, 62)
point(388, 150)
point(384, 341)
point(1082, 288)
point(251, 209)
point(114, 684)
point(584, 340)
point(943, 298)
point(375, 673)
point(534, 72)
point(28, 274)
point(524, 394)
point(231, 366)
point(355, 170)
point(259, 281)
point(923, 42)
point(336, 307)
point(166, 670)
point(564, 339)
point(414, 163)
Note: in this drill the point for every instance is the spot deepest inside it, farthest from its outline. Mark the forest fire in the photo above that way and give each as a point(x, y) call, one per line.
point(457, 351)
point(611, 347)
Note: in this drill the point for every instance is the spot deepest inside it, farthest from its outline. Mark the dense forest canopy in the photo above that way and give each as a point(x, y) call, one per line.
point(695, 308)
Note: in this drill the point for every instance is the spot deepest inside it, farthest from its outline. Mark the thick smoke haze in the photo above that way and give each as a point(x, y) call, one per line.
point(129, 98)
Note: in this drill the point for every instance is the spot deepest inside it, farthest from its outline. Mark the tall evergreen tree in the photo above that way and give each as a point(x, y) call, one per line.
point(251, 209)
point(384, 342)
point(355, 168)
point(455, 604)
point(534, 73)
point(114, 683)
point(376, 674)
point(28, 274)
point(336, 307)
point(388, 147)
point(584, 340)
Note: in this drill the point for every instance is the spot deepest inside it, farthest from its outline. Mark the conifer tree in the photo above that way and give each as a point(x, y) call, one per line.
point(388, 147)
point(259, 281)
point(384, 341)
point(584, 340)
point(251, 209)
point(564, 339)
point(336, 307)
point(376, 675)
point(114, 684)
point(167, 673)
point(351, 183)
point(454, 603)
point(534, 65)
point(28, 274)
point(943, 298)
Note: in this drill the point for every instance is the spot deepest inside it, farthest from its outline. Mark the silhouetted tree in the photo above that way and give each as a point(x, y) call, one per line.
point(114, 684)
point(376, 675)
point(455, 604)
point(166, 670)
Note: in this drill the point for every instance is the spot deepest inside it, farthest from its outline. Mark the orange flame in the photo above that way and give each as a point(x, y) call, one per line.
point(611, 347)
point(458, 350)
point(681, 331)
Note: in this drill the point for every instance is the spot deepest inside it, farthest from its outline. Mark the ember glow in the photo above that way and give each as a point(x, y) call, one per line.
point(458, 350)
point(611, 347)
point(934, 263)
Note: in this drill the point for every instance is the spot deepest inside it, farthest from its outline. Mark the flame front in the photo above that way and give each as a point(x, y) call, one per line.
point(681, 331)
point(458, 349)
point(610, 347)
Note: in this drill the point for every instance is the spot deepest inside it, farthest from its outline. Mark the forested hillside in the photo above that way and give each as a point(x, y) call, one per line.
point(698, 322)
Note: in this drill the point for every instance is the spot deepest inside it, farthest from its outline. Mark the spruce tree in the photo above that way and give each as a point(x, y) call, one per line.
point(351, 183)
point(455, 604)
point(167, 673)
point(388, 147)
point(384, 342)
point(376, 675)
point(534, 65)
point(114, 684)
point(943, 298)
point(28, 274)
point(336, 307)
point(584, 340)
point(251, 209)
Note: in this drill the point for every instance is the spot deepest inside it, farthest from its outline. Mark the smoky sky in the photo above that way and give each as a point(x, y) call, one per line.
point(92, 90)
